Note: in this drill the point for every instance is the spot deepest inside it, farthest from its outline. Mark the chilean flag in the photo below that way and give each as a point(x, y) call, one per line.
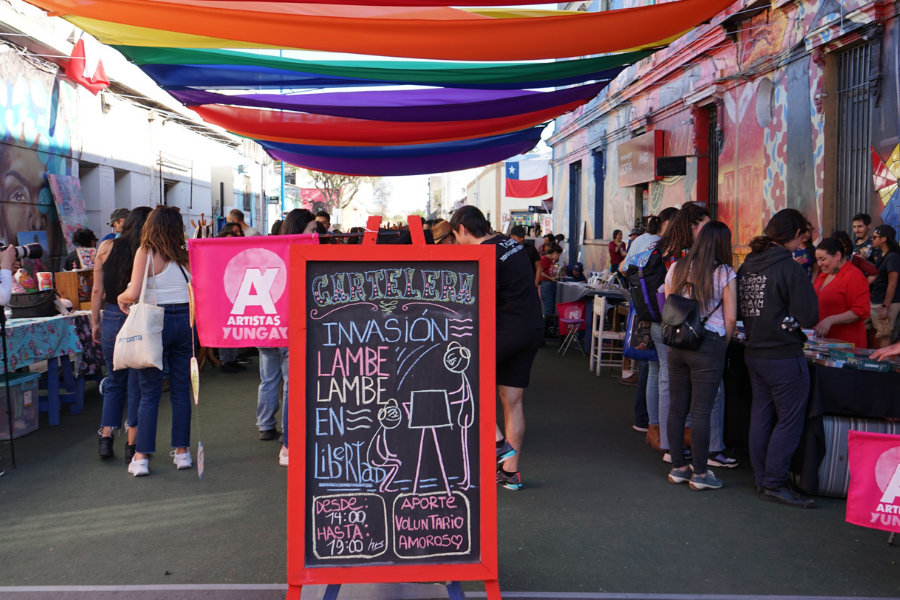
point(526, 178)
point(86, 69)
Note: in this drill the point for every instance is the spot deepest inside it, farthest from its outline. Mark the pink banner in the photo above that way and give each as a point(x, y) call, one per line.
point(874, 496)
point(241, 289)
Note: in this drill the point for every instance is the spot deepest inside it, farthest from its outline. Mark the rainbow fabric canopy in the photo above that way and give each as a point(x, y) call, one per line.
point(475, 112)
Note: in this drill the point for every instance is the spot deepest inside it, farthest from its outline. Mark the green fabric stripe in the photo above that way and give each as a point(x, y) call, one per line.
point(419, 71)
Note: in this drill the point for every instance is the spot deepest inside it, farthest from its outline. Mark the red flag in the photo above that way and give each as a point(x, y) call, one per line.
point(86, 69)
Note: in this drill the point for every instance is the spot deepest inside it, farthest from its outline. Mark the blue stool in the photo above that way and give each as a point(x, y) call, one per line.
point(53, 401)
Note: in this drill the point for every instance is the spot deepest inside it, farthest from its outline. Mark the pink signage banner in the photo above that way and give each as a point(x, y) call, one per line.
point(874, 496)
point(241, 289)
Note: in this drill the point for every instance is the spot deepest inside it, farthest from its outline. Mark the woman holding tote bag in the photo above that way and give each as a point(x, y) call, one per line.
point(162, 264)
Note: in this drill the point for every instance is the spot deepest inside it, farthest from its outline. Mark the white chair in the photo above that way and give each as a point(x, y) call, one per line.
point(599, 334)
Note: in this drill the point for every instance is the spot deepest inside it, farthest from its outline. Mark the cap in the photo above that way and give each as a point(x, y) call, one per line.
point(635, 232)
point(517, 231)
point(119, 213)
point(887, 231)
point(578, 267)
point(440, 230)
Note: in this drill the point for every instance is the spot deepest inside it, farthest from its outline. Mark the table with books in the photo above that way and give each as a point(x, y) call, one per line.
point(844, 384)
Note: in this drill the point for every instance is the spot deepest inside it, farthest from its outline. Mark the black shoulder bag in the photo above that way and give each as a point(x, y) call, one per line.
point(682, 326)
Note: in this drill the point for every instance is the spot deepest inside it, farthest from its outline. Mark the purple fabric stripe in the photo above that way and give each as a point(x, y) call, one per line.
point(431, 105)
point(416, 165)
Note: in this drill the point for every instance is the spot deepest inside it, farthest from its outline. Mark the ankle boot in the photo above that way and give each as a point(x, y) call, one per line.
point(652, 437)
point(106, 447)
point(687, 437)
point(130, 449)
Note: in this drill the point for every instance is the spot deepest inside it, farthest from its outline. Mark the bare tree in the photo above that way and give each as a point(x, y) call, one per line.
point(338, 190)
point(382, 190)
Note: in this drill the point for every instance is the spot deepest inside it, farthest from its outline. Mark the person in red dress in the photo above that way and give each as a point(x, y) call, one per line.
point(843, 294)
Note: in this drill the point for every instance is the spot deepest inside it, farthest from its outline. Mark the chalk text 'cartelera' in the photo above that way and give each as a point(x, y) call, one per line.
point(393, 284)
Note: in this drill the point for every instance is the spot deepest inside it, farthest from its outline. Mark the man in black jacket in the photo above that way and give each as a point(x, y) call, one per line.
point(776, 301)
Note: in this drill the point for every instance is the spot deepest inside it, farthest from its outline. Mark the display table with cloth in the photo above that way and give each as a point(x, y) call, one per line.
point(54, 339)
point(570, 291)
point(846, 392)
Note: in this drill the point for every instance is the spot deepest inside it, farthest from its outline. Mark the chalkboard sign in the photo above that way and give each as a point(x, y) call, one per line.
point(392, 465)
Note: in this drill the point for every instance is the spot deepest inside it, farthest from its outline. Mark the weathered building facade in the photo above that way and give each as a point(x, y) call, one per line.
point(773, 104)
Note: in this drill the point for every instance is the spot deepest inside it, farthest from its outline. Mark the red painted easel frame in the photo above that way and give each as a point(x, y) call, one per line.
point(299, 574)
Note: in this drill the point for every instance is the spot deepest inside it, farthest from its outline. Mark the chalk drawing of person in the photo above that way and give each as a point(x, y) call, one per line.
point(378, 453)
point(456, 360)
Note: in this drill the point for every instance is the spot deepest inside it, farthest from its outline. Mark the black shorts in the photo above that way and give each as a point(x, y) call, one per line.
point(515, 354)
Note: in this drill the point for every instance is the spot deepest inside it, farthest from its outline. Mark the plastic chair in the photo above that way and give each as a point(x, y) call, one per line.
point(599, 335)
point(571, 323)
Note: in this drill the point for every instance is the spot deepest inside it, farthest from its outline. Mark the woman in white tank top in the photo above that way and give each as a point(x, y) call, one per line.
point(167, 284)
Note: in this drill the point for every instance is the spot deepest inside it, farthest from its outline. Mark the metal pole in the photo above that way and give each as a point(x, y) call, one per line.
point(281, 54)
point(12, 446)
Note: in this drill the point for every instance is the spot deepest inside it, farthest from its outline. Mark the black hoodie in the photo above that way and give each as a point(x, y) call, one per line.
point(772, 286)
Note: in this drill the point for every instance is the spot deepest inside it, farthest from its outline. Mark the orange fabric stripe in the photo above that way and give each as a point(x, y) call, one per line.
point(476, 40)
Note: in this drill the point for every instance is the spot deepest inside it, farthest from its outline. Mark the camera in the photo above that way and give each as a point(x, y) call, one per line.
point(26, 251)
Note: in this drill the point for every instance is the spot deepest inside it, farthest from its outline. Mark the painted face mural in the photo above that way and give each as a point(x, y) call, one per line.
point(35, 127)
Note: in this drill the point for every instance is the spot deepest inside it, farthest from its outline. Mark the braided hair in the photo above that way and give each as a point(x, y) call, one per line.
point(680, 234)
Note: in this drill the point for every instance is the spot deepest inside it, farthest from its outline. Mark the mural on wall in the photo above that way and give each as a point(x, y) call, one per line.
point(768, 75)
point(36, 131)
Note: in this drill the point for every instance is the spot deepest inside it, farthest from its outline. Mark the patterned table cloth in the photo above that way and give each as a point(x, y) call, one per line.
point(33, 340)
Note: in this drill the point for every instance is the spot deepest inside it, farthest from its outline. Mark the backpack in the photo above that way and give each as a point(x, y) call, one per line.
point(638, 341)
point(682, 326)
point(645, 275)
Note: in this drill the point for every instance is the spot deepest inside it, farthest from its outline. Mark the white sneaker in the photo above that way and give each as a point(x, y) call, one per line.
point(182, 461)
point(282, 458)
point(139, 468)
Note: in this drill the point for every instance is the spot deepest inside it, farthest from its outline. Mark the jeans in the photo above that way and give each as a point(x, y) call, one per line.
point(228, 355)
point(653, 372)
point(120, 385)
point(717, 422)
point(548, 297)
point(273, 370)
point(694, 381)
point(780, 394)
point(176, 340)
point(662, 351)
point(284, 416)
point(641, 418)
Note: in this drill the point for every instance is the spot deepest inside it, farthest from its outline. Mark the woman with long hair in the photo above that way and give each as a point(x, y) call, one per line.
point(706, 276)
point(274, 363)
point(843, 294)
point(112, 272)
point(163, 256)
point(674, 243)
point(777, 300)
point(885, 292)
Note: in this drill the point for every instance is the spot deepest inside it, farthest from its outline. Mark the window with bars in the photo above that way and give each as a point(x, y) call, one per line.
point(854, 155)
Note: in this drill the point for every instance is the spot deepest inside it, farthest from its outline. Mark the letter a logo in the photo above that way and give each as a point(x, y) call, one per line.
point(893, 488)
point(261, 283)
point(255, 277)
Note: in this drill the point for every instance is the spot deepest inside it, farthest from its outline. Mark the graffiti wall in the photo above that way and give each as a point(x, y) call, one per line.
point(764, 81)
point(36, 135)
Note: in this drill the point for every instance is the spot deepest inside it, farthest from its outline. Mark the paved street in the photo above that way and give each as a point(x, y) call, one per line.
point(596, 515)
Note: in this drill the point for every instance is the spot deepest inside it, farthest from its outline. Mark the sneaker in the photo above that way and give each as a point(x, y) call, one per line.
point(641, 429)
point(182, 461)
point(283, 457)
point(710, 482)
point(679, 476)
point(720, 460)
point(231, 368)
point(512, 481)
point(267, 434)
point(243, 361)
point(631, 380)
point(668, 457)
point(785, 495)
point(505, 452)
point(139, 467)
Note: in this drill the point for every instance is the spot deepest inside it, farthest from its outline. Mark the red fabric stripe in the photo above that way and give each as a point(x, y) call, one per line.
point(526, 188)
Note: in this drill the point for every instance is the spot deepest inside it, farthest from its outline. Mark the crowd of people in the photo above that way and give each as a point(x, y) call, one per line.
point(849, 293)
point(838, 289)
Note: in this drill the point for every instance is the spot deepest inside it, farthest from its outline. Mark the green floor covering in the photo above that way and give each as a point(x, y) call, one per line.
point(596, 515)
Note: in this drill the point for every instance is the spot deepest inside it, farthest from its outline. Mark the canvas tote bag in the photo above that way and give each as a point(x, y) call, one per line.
point(139, 343)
